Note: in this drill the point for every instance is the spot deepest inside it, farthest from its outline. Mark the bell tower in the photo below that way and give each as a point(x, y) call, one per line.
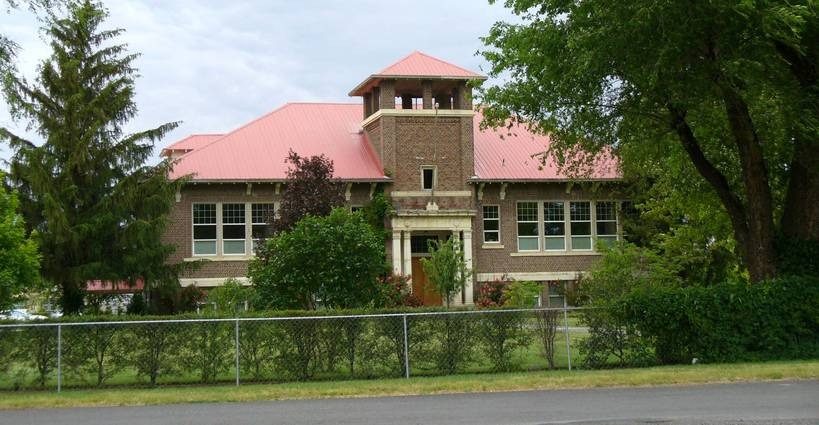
point(419, 119)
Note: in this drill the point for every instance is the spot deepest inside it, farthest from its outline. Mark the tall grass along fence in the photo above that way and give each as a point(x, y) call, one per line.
point(274, 349)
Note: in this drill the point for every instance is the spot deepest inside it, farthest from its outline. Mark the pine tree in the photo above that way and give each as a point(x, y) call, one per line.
point(98, 208)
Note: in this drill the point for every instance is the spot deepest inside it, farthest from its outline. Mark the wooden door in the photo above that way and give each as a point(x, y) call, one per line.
point(421, 287)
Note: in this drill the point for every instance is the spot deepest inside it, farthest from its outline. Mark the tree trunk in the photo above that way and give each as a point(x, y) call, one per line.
point(761, 255)
point(800, 219)
point(73, 299)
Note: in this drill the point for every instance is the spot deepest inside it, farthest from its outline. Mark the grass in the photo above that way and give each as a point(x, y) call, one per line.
point(544, 380)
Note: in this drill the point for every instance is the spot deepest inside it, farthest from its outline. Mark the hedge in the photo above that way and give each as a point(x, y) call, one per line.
point(728, 322)
point(343, 347)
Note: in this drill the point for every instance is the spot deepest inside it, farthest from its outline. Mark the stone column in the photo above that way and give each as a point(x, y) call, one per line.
point(468, 290)
point(407, 254)
point(458, 298)
point(396, 251)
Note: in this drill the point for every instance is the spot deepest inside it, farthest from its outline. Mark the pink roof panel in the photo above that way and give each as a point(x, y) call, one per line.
point(420, 65)
point(423, 65)
point(192, 142)
point(513, 154)
point(257, 150)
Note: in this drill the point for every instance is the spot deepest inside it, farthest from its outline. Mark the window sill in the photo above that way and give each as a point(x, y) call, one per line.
point(553, 254)
point(220, 258)
point(491, 246)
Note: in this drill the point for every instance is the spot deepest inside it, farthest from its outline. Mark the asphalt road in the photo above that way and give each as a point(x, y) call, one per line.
point(752, 403)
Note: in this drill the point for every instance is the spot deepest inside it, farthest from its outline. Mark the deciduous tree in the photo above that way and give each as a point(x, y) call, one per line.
point(309, 190)
point(19, 260)
point(729, 89)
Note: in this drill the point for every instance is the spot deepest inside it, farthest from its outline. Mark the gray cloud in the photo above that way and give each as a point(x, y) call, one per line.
point(216, 65)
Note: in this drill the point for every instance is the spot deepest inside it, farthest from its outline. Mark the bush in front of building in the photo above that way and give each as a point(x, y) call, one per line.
point(726, 322)
point(331, 261)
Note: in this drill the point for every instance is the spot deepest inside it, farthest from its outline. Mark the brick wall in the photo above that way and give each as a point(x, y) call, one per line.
point(500, 260)
point(179, 232)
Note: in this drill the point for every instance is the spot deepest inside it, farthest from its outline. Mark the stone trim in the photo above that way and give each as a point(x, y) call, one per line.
point(536, 276)
point(211, 282)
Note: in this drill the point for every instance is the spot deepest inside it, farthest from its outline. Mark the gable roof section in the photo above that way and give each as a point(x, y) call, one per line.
point(192, 142)
point(257, 150)
point(418, 65)
point(513, 155)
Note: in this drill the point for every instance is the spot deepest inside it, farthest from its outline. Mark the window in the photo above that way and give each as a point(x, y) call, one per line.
point(233, 229)
point(606, 220)
point(427, 178)
point(356, 208)
point(580, 216)
point(491, 224)
point(554, 226)
point(204, 229)
point(528, 234)
point(261, 218)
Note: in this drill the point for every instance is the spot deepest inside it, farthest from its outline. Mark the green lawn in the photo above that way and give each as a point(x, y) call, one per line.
point(561, 379)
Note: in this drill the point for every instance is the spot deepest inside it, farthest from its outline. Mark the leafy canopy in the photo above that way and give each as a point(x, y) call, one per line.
point(711, 95)
point(99, 210)
point(309, 190)
point(19, 260)
point(446, 268)
point(333, 260)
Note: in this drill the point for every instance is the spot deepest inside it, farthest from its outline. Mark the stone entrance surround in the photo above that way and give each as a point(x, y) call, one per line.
point(458, 222)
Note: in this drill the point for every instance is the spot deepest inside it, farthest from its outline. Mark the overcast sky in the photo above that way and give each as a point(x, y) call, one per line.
point(214, 65)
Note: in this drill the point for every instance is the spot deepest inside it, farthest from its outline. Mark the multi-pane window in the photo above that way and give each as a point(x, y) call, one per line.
point(606, 220)
point(356, 208)
point(204, 229)
point(528, 229)
point(580, 226)
point(233, 229)
point(554, 226)
point(427, 178)
point(491, 224)
point(261, 218)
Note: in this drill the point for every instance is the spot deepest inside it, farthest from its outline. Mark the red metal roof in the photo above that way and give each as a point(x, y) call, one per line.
point(418, 65)
point(512, 154)
point(257, 150)
point(194, 141)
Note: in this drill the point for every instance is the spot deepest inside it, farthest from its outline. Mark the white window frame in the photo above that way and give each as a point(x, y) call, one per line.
point(616, 221)
point(538, 221)
point(434, 169)
point(483, 223)
point(565, 205)
point(254, 240)
point(193, 229)
point(591, 236)
point(243, 224)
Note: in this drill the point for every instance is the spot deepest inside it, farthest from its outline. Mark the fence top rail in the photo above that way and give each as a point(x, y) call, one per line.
point(286, 318)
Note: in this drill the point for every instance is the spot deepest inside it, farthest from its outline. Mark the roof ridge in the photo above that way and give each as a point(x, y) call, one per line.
point(448, 63)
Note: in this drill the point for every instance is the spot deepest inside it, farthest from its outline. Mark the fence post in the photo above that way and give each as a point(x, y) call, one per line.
point(406, 350)
point(59, 358)
point(236, 332)
point(566, 331)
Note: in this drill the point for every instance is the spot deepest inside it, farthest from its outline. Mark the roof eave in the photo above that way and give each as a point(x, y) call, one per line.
point(563, 180)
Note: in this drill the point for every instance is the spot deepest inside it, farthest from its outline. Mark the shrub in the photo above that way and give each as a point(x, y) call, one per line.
point(491, 294)
point(209, 348)
point(500, 334)
point(255, 348)
point(230, 297)
point(726, 322)
point(334, 260)
point(97, 350)
point(450, 345)
point(154, 349)
point(613, 338)
point(37, 347)
point(394, 291)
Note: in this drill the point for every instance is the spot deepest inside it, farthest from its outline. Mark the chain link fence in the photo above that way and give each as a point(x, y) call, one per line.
point(277, 349)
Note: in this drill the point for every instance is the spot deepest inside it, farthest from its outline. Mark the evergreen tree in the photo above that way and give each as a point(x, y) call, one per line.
point(99, 210)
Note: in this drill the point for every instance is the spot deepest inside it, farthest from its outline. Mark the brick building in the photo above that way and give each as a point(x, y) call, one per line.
point(415, 135)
